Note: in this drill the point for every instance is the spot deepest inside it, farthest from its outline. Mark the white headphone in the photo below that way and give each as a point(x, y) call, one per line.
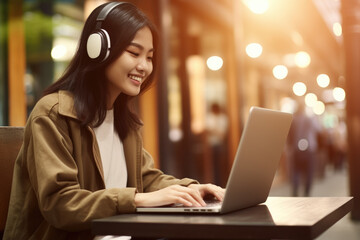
point(98, 43)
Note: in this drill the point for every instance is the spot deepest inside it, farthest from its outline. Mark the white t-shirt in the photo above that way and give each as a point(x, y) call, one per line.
point(112, 153)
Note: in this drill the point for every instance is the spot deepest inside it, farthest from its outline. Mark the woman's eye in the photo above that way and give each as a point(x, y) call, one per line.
point(133, 53)
point(150, 58)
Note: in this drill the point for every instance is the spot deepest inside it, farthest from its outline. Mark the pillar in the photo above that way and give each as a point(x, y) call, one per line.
point(351, 33)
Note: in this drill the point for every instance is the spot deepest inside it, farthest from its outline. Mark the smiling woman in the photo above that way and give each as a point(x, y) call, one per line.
point(131, 68)
point(82, 156)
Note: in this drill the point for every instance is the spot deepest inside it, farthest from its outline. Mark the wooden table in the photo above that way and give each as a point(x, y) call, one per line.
point(277, 218)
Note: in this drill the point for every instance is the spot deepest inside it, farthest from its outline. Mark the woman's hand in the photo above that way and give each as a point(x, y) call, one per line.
point(188, 196)
point(169, 195)
point(209, 189)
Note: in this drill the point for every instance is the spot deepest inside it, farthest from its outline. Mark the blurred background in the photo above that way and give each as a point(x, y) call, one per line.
point(218, 58)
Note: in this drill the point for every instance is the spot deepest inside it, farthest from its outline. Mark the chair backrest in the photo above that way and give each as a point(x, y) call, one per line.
point(11, 139)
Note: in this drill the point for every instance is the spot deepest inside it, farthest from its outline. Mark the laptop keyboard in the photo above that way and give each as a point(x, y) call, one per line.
point(209, 204)
point(212, 203)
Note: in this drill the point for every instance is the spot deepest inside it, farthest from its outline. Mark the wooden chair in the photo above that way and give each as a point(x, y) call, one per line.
point(10, 142)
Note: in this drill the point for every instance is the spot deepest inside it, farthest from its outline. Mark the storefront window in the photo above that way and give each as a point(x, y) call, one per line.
point(196, 83)
point(52, 30)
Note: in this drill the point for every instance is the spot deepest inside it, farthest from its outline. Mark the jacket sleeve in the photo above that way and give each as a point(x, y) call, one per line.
point(154, 179)
point(53, 175)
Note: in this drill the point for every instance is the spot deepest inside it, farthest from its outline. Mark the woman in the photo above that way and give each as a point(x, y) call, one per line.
point(82, 156)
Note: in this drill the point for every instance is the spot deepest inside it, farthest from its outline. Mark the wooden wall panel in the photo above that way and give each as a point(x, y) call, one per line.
point(16, 40)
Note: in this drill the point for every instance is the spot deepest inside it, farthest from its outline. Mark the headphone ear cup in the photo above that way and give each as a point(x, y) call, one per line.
point(98, 45)
point(93, 45)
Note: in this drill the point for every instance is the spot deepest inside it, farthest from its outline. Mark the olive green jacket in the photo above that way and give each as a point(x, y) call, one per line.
point(58, 185)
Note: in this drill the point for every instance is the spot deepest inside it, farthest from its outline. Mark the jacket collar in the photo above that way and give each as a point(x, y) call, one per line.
point(66, 104)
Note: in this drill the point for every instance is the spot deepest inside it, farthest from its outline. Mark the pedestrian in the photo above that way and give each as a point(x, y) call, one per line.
point(216, 127)
point(303, 137)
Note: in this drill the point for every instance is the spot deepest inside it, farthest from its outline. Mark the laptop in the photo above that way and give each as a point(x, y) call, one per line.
point(254, 167)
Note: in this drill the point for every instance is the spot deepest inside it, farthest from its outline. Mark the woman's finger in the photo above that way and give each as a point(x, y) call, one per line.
point(191, 195)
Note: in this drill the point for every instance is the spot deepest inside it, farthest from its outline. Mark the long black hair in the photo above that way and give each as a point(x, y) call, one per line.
point(85, 78)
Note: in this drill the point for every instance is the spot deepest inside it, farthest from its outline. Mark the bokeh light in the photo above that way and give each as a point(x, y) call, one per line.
point(299, 88)
point(303, 144)
point(310, 99)
point(339, 94)
point(254, 50)
point(58, 52)
point(257, 6)
point(214, 63)
point(319, 108)
point(323, 80)
point(302, 59)
point(280, 72)
point(337, 29)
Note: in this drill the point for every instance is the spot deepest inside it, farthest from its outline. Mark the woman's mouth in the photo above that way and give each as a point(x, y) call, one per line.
point(135, 78)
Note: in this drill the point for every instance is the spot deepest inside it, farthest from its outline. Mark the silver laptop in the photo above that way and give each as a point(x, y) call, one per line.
point(254, 167)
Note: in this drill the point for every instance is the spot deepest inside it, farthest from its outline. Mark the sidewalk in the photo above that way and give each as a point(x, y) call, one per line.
point(334, 184)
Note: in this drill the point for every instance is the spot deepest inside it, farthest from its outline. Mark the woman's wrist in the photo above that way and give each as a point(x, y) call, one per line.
point(138, 199)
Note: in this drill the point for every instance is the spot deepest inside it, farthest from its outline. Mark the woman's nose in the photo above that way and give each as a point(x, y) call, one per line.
point(144, 65)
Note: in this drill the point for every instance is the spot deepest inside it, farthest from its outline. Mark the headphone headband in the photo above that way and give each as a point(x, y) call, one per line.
point(106, 10)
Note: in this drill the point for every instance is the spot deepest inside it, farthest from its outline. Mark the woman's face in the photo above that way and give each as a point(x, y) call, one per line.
point(132, 67)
